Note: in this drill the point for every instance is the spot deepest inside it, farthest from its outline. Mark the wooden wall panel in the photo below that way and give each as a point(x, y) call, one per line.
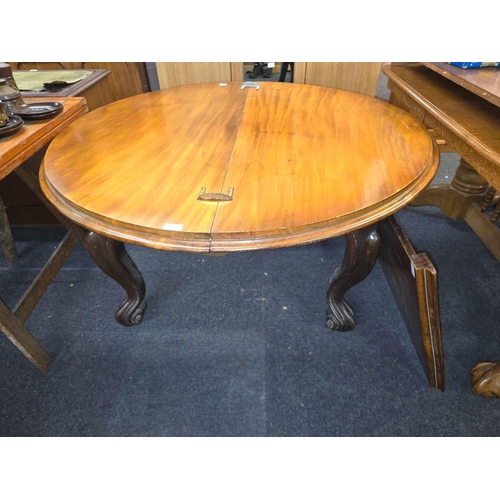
point(359, 77)
point(172, 74)
point(237, 71)
point(354, 76)
point(299, 72)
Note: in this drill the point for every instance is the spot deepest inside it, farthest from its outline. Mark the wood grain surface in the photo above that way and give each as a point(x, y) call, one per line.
point(413, 282)
point(22, 145)
point(359, 77)
point(305, 162)
point(484, 82)
point(469, 123)
point(172, 74)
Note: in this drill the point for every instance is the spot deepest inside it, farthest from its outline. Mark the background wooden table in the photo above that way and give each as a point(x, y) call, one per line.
point(463, 122)
point(14, 153)
point(107, 83)
point(461, 107)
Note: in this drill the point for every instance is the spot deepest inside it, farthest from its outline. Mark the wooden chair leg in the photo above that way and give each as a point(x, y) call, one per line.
point(20, 336)
point(9, 247)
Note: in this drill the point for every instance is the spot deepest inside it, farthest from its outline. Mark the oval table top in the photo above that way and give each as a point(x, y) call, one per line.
point(303, 163)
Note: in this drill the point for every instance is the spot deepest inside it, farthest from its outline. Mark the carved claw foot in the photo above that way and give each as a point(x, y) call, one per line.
point(486, 379)
point(360, 257)
point(111, 256)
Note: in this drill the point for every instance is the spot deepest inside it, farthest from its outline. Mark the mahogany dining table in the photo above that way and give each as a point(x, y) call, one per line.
point(231, 167)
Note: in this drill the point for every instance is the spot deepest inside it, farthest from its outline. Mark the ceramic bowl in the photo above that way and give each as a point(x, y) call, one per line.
point(8, 94)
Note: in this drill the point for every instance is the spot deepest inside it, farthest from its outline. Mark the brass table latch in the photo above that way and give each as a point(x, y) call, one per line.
point(204, 196)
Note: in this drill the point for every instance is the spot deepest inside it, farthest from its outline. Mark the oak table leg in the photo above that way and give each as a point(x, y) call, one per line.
point(486, 379)
point(360, 257)
point(110, 255)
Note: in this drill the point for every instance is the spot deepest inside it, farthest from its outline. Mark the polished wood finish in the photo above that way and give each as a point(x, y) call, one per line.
point(29, 176)
point(25, 145)
point(156, 186)
point(444, 147)
point(101, 87)
point(413, 282)
point(360, 257)
point(14, 151)
point(24, 208)
point(172, 74)
point(486, 379)
point(467, 122)
point(470, 125)
point(291, 152)
point(484, 82)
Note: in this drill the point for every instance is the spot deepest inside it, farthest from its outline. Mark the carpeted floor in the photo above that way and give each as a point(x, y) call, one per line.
point(236, 345)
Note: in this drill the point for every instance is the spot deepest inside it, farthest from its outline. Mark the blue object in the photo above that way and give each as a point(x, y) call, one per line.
point(467, 65)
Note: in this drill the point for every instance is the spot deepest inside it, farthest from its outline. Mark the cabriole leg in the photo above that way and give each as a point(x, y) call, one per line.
point(360, 257)
point(110, 255)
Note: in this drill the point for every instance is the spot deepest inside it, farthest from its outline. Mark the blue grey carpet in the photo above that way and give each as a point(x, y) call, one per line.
point(237, 346)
